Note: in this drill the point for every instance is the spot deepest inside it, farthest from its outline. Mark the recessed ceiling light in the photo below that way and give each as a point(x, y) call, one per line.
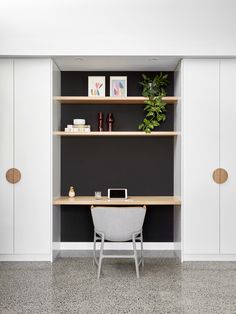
point(154, 59)
point(79, 59)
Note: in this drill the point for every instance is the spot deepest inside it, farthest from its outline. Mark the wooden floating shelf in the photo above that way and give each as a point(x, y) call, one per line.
point(132, 200)
point(117, 133)
point(130, 100)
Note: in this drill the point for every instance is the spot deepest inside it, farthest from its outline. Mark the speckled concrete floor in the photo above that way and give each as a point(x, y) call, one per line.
point(70, 286)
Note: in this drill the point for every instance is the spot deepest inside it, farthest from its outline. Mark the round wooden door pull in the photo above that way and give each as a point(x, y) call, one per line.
point(220, 175)
point(13, 175)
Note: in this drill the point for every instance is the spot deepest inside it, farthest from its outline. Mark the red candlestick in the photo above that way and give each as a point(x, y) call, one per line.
point(109, 121)
point(100, 121)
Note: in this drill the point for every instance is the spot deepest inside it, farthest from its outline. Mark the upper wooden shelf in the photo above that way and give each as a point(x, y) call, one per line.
point(117, 133)
point(132, 200)
point(130, 100)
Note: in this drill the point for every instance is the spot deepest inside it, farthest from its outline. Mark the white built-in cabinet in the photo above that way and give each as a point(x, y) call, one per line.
point(25, 144)
point(208, 121)
point(206, 116)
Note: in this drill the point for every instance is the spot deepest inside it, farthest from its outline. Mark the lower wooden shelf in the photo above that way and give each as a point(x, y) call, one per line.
point(132, 200)
point(117, 133)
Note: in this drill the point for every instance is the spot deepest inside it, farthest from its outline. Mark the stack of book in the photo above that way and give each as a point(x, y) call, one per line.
point(78, 126)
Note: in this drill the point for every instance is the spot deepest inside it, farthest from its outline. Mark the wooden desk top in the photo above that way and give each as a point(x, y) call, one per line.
point(132, 200)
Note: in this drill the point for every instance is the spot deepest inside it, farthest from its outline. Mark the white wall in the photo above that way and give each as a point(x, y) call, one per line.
point(124, 27)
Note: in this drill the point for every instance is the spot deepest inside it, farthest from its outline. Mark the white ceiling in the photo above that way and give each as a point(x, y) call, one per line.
point(115, 63)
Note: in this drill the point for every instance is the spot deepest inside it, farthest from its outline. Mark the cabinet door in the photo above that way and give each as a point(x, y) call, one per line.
point(32, 156)
point(228, 156)
point(6, 156)
point(200, 156)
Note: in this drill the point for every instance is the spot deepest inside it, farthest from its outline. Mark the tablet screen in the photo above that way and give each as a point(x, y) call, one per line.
point(117, 193)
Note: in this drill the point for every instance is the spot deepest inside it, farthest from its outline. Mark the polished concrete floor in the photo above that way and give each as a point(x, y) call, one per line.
point(70, 286)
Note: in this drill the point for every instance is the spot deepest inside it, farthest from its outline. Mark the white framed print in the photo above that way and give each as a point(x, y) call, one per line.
point(96, 86)
point(118, 86)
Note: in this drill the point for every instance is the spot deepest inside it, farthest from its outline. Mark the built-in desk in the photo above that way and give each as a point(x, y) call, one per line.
point(132, 200)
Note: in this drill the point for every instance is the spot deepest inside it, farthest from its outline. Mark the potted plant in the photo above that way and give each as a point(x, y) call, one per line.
point(155, 107)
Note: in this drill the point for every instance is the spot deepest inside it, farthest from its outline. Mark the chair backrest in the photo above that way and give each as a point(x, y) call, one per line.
point(118, 223)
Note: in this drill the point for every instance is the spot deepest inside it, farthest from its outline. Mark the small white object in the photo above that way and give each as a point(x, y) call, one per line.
point(69, 126)
point(81, 129)
point(80, 125)
point(68, 130)
point(71, 192)
point(79, 121)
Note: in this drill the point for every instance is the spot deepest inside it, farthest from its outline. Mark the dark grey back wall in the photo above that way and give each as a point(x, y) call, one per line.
point(143, 165)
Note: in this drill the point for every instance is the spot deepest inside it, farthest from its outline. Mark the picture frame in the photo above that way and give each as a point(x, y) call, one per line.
point(118, 86)
point(96, 86)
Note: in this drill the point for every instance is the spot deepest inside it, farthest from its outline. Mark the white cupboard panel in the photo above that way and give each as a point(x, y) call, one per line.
point(6, 155)
point(32, 156)
point(56, 114)
point(228, 156)
point(201, 156)
point(177, 162)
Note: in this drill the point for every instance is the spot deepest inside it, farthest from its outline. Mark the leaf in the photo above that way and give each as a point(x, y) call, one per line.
point(150, 114)
point(146, 108)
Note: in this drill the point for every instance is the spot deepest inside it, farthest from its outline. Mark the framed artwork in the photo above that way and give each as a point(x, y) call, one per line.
point(96, 86)
point(118, 86)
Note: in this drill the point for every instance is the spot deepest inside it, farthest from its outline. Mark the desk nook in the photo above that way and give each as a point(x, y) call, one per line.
point(142, 162)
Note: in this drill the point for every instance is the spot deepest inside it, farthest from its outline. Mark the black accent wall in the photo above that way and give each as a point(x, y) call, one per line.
point(143, 165)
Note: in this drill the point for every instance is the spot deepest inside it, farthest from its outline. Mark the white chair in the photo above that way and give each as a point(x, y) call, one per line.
point(118, 224)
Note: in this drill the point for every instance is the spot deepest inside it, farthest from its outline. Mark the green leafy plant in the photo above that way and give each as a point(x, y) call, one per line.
point(155, 107)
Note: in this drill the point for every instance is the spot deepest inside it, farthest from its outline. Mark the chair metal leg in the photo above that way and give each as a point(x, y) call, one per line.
point(100, 257)
point(135, 256)
point(94, 248)
point(142, 259)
